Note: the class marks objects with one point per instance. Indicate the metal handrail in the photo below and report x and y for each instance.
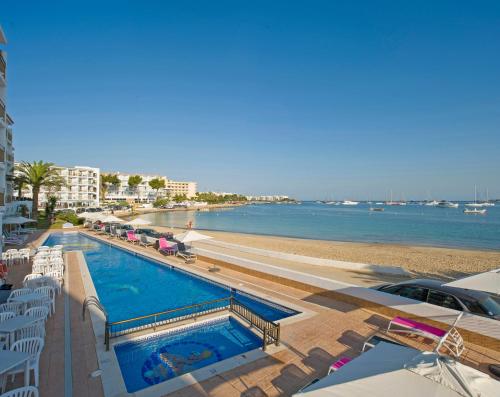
(270, 330)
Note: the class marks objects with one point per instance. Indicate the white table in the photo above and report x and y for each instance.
(10, 359)
(25, 299)
(13, 324)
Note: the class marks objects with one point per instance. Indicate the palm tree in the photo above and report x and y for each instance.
(36, 175)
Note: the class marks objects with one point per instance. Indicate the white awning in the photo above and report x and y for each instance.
(392, 370)
(17, 220)
(487, 282)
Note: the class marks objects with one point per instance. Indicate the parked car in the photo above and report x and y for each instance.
(436, 293)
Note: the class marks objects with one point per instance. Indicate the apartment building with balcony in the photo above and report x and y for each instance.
(6, 136)
(144, 193)
(81, 189)
(182, 188)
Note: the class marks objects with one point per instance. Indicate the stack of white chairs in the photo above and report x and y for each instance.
(45, 281)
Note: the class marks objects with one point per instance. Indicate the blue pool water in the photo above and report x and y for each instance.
(130, 285)
(152, 360)
(411, 224)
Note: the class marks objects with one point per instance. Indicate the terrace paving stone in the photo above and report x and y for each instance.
(310, 345)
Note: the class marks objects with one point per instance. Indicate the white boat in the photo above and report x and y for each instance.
(487, 203)
(447, 204)
(475, 211)
(432, 203)
(379, 203)
(475, 204)
(349, 202)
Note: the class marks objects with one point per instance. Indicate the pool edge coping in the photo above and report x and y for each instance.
(111, 377)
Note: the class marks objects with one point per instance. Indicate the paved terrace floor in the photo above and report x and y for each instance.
(336, 329)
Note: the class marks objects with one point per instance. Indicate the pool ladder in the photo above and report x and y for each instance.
(94, 301)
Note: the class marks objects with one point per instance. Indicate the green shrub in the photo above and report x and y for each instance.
(70, 217)
(161, 201)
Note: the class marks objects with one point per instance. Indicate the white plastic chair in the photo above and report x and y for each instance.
(6, 315)
(49, 293)
(26, 391)
(25, 254)
(15, 307)
(43, 248)
(19, 292)
(58, 247)
(41, 312)
(34, 347)
(29, 277)
(36, 330)
(56, 278)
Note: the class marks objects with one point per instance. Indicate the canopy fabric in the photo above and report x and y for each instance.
(487, 282)
(89, 215)
(17, 220)
(110, 219)
(139, 222)
(191, 236)
(465, 380)
(385, 371)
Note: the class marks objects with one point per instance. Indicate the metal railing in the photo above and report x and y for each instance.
(270, 330)
(94, 301)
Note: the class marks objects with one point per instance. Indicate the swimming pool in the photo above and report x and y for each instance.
(131, 285)
(151, 360)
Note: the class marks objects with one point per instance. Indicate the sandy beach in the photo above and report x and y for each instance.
(418, 260)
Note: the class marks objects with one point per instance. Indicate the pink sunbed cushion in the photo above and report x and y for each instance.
(163, 244)
(340, 363)
(406, 322)
(131, 236)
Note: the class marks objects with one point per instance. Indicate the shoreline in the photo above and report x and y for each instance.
(420, 261)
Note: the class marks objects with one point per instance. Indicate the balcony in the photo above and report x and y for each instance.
(3, 115)
(3, 70)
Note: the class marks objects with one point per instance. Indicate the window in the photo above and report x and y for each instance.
(474, 307)
(391, 289)
(414, 292)
(444, 300)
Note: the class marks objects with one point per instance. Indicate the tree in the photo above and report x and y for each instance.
(133, 183)
(36, 175)
(179, 198)
(106, 180)
(157, 184)
(19, 183)
(50, 206)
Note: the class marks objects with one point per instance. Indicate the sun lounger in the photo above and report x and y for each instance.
(414, 327)
(144, 241)
(338, 364)
(131, 237)
(188, 257)
(165, 248)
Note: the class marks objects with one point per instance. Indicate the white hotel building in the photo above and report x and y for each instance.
(144, 193)
(6, 147)
(81, 189)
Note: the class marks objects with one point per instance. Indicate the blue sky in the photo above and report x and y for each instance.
(314, 99)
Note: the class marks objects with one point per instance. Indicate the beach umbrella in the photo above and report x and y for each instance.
(91, 216)
(392, 370)
(487, 282)
(110, 219)
(191, 236)
(139, 222)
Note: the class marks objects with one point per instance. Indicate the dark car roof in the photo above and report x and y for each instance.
(438, 285)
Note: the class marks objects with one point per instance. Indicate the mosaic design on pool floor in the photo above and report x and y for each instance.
(171, 360)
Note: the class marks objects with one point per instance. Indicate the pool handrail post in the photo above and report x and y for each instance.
(264, 339)
(106, 335)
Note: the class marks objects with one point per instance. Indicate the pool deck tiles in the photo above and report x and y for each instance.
(311, 343)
